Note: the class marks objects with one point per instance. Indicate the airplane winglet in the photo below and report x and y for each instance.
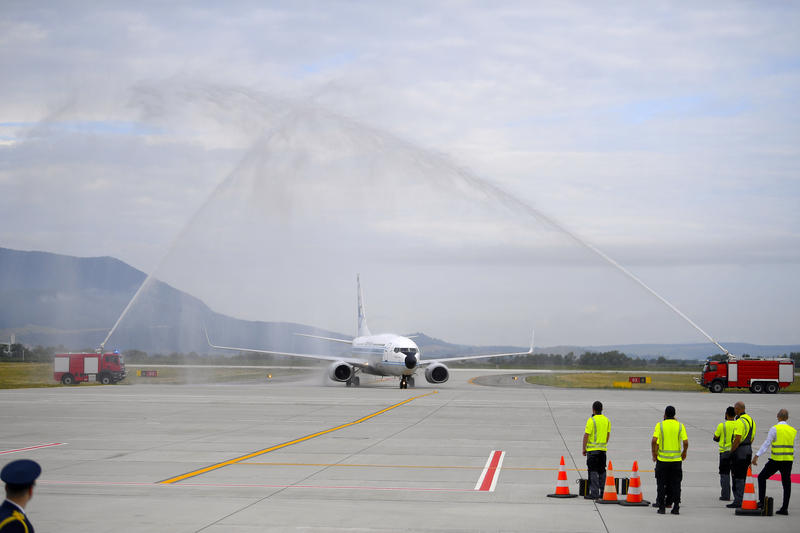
(208, 340)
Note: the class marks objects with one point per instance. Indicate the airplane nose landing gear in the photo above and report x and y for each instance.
(406, 381)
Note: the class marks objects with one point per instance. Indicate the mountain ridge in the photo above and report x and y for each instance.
(52, 299)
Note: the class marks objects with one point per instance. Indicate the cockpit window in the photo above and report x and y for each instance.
(406, 351)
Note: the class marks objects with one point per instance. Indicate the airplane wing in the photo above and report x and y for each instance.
(343, 341)
(426, 362)
(352, 360)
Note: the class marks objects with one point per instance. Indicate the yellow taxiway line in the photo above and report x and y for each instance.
(346, 465)
(285, 444)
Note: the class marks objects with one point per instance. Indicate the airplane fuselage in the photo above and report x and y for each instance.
(387, 354)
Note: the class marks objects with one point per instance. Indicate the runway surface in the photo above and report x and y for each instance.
(479, 453)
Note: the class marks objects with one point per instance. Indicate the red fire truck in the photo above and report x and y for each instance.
(756, 374)
(106, 368)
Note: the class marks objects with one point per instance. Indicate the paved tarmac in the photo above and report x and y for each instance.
(298, 456)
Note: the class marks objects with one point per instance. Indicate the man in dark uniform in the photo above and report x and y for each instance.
(19, 477)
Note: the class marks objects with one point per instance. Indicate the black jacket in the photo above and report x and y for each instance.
(12, 520)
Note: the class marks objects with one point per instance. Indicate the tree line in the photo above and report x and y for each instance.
(587, 360)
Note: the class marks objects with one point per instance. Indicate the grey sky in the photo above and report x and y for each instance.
(345, 137)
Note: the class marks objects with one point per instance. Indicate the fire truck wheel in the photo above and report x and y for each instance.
(716, 387)
(772, 387)
(105, 379)
(67, 379)
(757, 387)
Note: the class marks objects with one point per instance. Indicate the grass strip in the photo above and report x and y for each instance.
(32, 375)
(605, 380)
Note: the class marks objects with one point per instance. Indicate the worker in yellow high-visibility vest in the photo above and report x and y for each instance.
(724, 436)
(595, 445)
(668, 436)
(781, 441)
(741, 452)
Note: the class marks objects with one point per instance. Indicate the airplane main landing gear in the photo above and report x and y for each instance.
(354, 382)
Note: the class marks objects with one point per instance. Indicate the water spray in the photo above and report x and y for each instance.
(217, 190)
(124, 312)
(514, 203)
(430, 163)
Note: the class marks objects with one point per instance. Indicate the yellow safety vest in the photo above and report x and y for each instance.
(748, 429)
(670, 432)
(783, 445)
(725, 434)
(16, 516)
(598, 436)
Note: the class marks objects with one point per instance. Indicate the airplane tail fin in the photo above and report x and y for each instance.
(363, 329)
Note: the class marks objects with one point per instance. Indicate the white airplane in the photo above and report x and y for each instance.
(386, 354)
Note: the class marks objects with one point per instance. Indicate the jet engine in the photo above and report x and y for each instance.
(340, 371)
(437, 373)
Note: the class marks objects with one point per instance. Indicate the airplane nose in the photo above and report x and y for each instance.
(411, 361)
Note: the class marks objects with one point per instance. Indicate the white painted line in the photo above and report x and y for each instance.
(491, 472)
(33, 447)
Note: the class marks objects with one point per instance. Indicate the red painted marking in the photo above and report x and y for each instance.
(33, 447)
(777, 477)
(485, 483)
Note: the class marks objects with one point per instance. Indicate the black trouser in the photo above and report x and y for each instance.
(785, 468)
(669, 475)
(740, 460)
(725, 475)
(596, 464)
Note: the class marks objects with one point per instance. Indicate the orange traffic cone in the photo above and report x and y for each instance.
(610, 491)
(635, 489)
(749, 504)
(562, 488)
